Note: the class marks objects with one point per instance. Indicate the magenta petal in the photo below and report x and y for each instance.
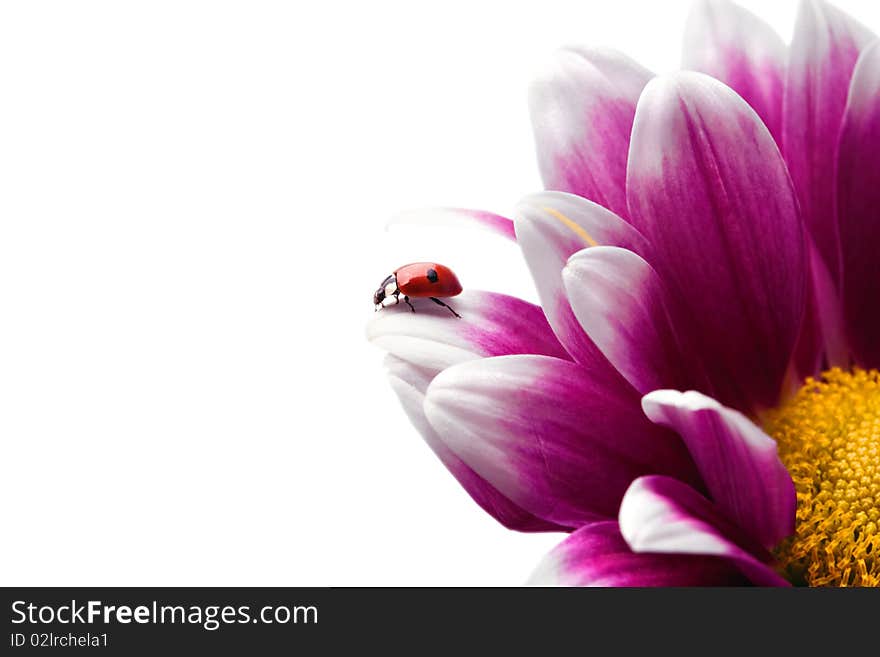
(708, 188)
(550, 227)
(738, 462)
(660, 515)
(409, 383)
(822, 341)
(733, 45)
(582, 110)
(491, 325)
(597, 555)
(824, 50)
(458, 217)
(858, 185)
(623, 307)
(424, 343)
(560, 440)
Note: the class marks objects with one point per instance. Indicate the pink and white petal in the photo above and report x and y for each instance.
(858, 195)
(409, 382)
(738, 462)
(597, 555)
(422, 344)
(708, 188)
(458, 217)
(623, 307)
(824, 50)
(552, 226)
(560, 440)
(733, 45)
(660, 515)
(491, 325)
(582, 109)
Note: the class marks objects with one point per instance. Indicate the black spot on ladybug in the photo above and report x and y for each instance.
(432, 275)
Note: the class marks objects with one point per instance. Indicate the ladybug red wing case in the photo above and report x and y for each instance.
(427, 279)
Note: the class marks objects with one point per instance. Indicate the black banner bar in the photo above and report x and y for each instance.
(414, 621)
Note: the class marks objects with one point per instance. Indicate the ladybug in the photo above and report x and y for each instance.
(418, 280)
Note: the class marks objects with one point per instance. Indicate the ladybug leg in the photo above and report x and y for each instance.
(440, 303)
(411, 307)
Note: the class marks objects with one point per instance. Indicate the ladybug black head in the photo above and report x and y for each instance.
(380, 294)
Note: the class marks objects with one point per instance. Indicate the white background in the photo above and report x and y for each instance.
(192, 207)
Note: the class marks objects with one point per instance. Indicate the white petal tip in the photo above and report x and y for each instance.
(690, 400)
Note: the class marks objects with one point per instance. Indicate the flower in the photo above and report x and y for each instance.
(713, 231)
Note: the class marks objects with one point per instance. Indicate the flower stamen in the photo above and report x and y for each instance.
(829, 439)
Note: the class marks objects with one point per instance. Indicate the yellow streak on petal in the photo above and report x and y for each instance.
(568, 223)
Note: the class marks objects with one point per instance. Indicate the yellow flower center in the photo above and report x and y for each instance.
(829, 439)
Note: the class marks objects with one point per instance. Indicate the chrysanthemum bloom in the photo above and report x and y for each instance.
(715, 232)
